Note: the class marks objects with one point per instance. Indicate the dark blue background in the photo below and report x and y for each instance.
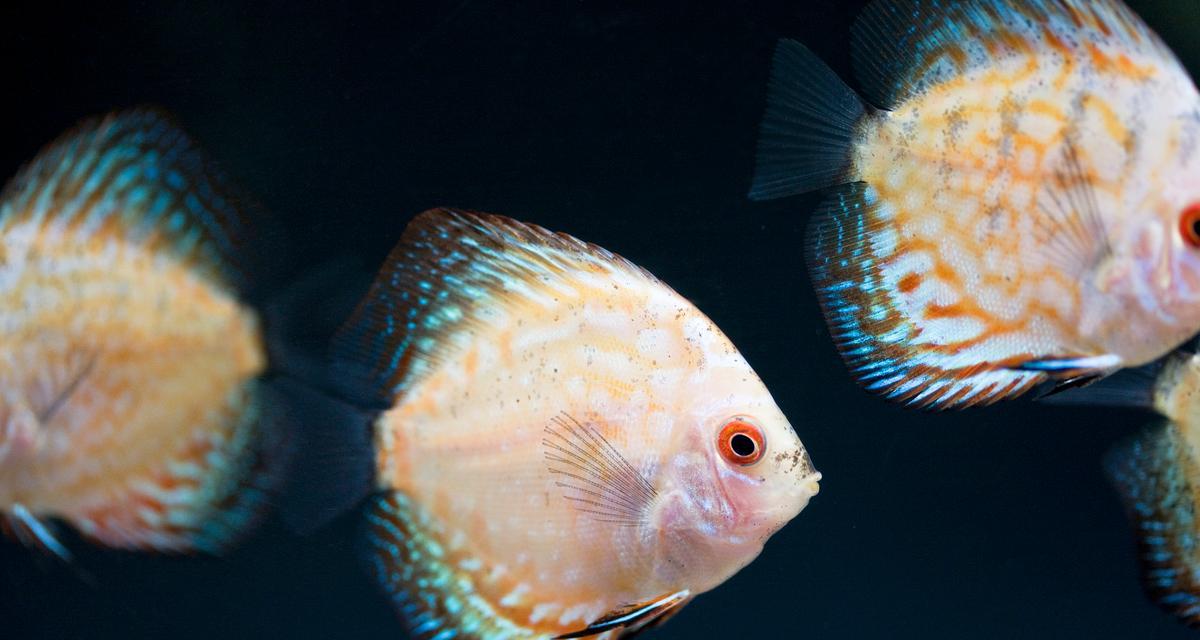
(633, 127)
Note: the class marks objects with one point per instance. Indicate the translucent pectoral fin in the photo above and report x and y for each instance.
(632, 619)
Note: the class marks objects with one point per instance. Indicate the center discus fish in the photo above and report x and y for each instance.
(129, 402)
(1020, 203)
(566, 446)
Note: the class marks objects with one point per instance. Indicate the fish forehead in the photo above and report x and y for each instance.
(623, 356)
(964, 243)
(160, 357)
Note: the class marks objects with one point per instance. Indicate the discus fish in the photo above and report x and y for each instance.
(129, 405)
(566, 446)
(1157, 475)
(1020, 205)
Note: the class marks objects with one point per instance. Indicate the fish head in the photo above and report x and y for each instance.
(739, 474)
(1151, 279)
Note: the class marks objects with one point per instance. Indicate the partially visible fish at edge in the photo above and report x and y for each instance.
(130, 406)
(1014, 203)
(1157, 475)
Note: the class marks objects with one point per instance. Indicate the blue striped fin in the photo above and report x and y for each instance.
(1155, 475)
(902, 47)
(447, 267)
(438, 601)
(242, 488)
(139, 173)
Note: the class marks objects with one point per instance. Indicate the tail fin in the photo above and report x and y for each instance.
(808, 132)
(331, 455)
(331, 466)
(1155, 474)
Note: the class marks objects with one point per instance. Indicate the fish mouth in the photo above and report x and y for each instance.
(777, 517)
(811, 484)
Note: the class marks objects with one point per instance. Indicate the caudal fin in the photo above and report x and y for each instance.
(807, 134)
(1155, 474)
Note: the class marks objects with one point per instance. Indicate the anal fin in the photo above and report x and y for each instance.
(634, 618)
(406, 554)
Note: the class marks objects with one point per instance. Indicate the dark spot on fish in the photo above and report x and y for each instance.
(955, 123)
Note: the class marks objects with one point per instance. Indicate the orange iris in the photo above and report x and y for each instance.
(1189, 225)
(741, 442)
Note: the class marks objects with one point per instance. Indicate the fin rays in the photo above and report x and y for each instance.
(594, 475)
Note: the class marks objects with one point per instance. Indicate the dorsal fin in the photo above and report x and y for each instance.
(136, 177)
(435, 282)
(902, 47)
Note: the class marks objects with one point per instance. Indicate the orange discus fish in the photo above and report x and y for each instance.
(1021, 204)
(568, 447)
(129, 406)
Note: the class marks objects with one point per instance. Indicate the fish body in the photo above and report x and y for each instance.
(569, 447)
(128, 363)
(1018, 206)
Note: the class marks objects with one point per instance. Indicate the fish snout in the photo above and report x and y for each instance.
(797, 477)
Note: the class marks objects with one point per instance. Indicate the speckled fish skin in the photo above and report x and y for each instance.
(1158, 476)
(128, 399)
(551, 456)
(1020, 198)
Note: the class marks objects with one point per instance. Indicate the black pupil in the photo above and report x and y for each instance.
(1195, 226)
(742, 444)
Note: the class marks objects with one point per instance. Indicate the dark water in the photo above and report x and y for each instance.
(634, 128)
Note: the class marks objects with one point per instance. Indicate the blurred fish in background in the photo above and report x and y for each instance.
(130, 402)
(557, 443)
(1016, 201)
(1158, 476)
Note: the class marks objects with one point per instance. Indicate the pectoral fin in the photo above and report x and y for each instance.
(33, 533)
(634, 618)
(1067, 367)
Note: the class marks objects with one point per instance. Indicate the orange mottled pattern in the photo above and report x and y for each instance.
(1011, 198)
(128, 384)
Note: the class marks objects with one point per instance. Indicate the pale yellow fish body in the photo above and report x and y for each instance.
(127, 367)
(585, 350)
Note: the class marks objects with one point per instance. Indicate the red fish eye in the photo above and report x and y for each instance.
(741, 442)
(1189, 225)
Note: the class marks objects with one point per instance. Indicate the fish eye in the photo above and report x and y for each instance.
(741, 442)
(1189, 225)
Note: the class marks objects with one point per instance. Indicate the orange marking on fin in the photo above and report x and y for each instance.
(1099, 58)
(1121, 65)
